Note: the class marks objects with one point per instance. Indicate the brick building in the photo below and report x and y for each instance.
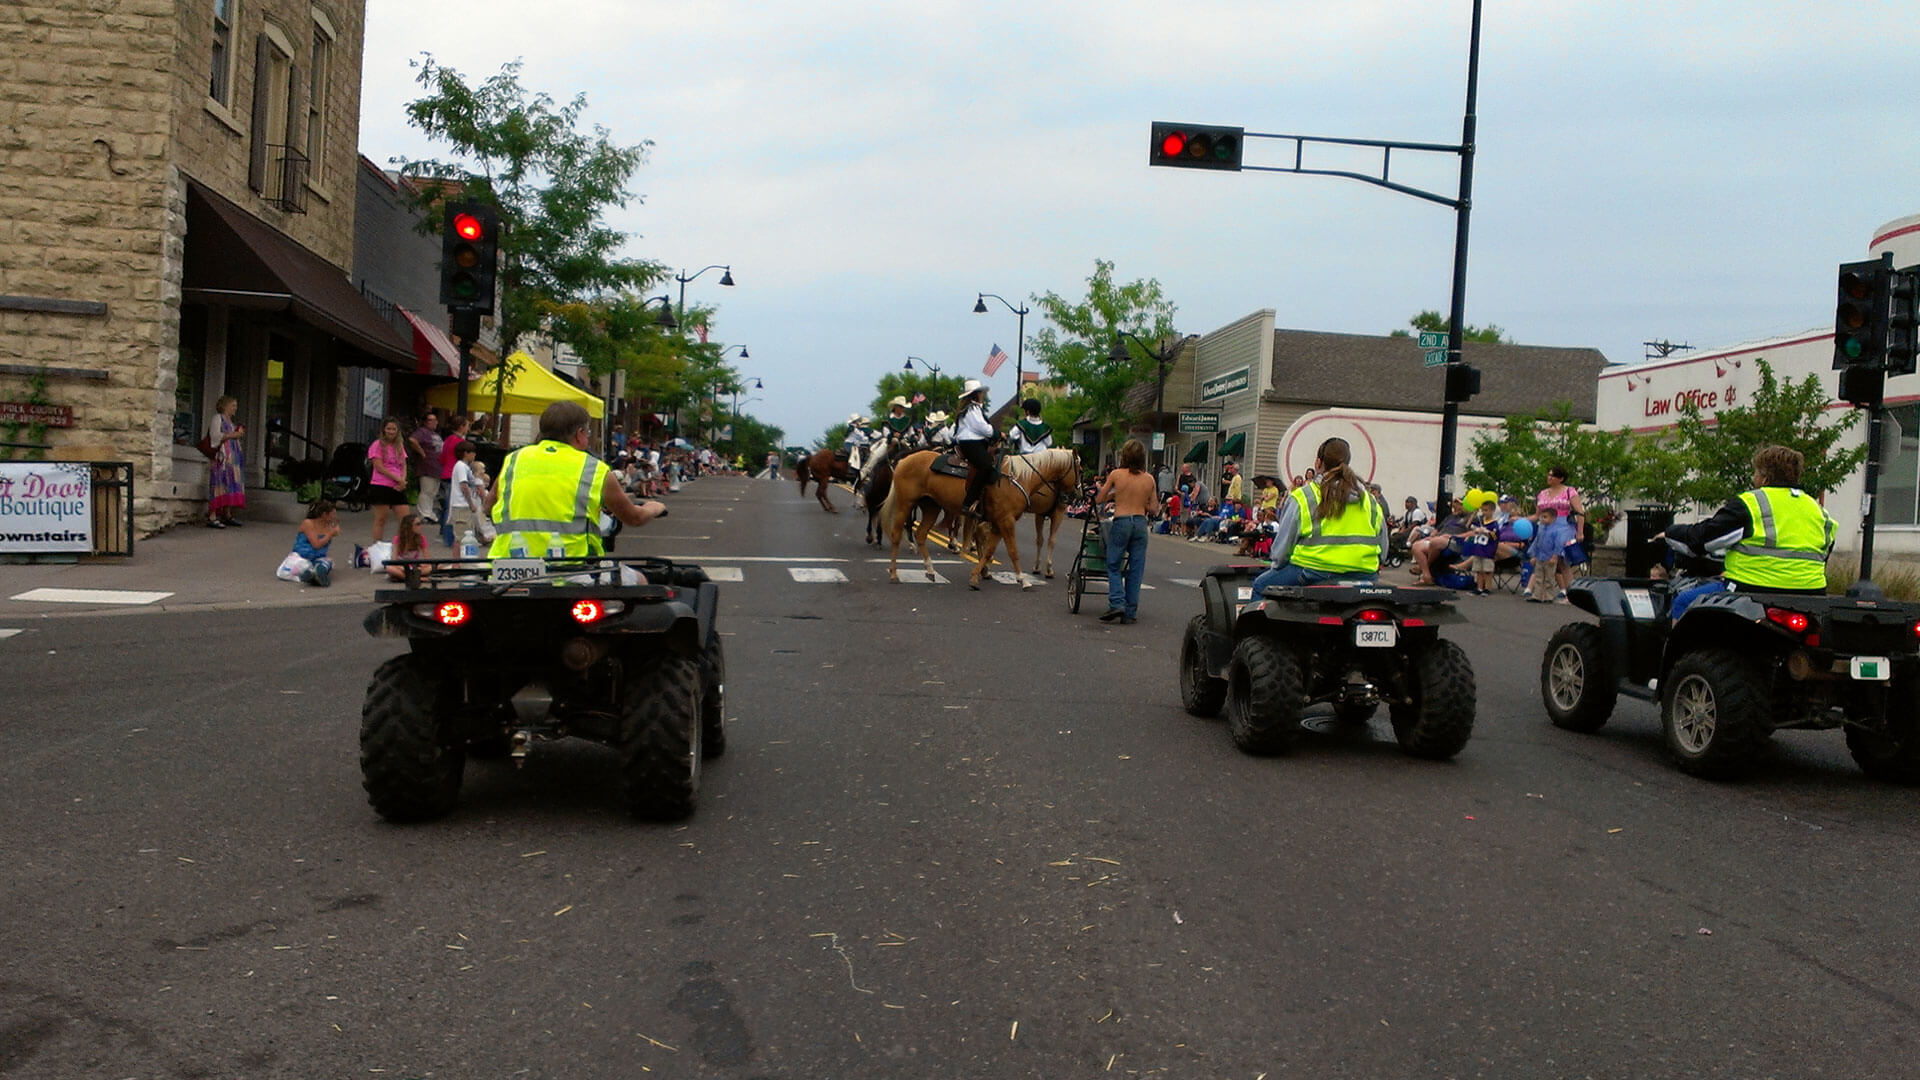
(177, 187)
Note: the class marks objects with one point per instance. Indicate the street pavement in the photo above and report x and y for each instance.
(956, 834)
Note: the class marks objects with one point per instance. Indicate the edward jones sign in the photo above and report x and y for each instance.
(46, 506)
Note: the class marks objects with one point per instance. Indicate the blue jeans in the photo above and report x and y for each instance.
(1685, 597)
(1295, 574)
(1126, 549)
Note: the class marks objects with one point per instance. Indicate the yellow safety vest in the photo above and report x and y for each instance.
(1349, 543)
(549, 491)
(1787, 544)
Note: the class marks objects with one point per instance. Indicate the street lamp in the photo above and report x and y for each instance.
(1119, 355)
(665, 319)
(931, 367)
(726, 278)
(1019, 345)
(734, 442)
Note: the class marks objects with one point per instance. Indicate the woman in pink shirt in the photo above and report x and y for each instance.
(1566, 501)
(387, 469)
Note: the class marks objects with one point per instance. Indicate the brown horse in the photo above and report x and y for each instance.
(1042, 475)
(879, 483)
(822, 467)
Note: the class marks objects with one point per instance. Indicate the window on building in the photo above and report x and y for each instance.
(319, 76)
(187, 415)
(278, 170)
(1899, 499)
(220, 87)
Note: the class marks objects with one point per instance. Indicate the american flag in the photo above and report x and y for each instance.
(994, 359)
(918, 398)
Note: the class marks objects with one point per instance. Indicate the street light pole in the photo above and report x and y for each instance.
(726, 278)
(1456, 330)
(928, 364)
(1118, 354)
(1019, 345)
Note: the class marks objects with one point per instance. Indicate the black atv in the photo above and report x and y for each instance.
(1354, 646)
(1740, 665)
(509, 652)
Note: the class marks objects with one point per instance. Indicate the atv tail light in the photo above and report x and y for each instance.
(447, 613)
(1374, 615)
(1413, 622)
(1916, 629)
(1332, 620)
(592, 611)
(1794, 621)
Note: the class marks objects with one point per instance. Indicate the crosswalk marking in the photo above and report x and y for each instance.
(919, 577)
(724, 573)
(1189, 582)
(816, 574)
(90, 596)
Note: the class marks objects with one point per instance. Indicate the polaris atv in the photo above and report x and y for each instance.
(1740, 665)
(1353, 646)
(507, 653)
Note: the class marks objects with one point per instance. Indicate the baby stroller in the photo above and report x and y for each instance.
(346, 481)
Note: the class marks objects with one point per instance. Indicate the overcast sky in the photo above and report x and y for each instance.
(1688, 171)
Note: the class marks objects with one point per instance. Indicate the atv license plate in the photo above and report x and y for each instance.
(1245, 592)
(517, 569)
(1383, 636)
(1872, 668)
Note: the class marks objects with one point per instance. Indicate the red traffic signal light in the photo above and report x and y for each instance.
(1196, 146)
(469, 252)
(467, 227)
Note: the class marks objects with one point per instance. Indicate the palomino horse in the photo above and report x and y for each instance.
(821, 467)
(1042, 475)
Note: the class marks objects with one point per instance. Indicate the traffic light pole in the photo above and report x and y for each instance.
(1874, 413)
(465, 323)
(1457, 319)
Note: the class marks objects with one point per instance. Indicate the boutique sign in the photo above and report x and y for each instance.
(46, 506)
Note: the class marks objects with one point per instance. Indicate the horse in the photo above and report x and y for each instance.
(821, 467)
(1043, 475)
(879, 484)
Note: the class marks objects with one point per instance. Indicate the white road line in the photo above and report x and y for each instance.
(816, 574)
(8, 633)
(752, 558)
(916, 561)
(723, 573)
(1191, 583)
(919, 577)
(644, 536)
(1005, 577)
(90, 596)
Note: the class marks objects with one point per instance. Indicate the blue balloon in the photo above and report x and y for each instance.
(1523, 528)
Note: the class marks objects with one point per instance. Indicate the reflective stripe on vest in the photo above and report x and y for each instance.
(1351, 541)
(1787, 542)
(537, 485)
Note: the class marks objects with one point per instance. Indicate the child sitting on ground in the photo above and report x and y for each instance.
(410, 544)
(309, 562)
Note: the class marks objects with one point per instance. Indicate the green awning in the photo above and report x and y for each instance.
(1236, 443)
(1197, 454)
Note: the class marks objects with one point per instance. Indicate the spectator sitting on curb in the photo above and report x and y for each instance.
(410, 544)
(309, 562)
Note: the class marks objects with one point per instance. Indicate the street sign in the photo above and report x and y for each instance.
(1436, 357)
(1433, 339)
(1202, 423)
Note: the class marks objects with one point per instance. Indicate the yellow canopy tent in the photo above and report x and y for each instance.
(531, 389)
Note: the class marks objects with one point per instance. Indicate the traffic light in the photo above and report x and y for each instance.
(1196, 146)
(1903, 315)
(1863, 386)
(469, 250)
(1860, 320)
(1463, 381)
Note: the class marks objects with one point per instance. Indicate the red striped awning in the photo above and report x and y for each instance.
(434, 353)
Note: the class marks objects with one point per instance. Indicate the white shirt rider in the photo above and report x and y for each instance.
(973, 424)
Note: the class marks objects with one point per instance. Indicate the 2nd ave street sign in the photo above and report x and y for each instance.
(1433, 339)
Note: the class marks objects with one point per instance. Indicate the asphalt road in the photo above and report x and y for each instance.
(956, 834)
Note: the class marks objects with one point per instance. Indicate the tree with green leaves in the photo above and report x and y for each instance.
(1720, 454)
(1515, 459)
(1077, 348)
(552, 183)
(941, 392)
(1432, 322)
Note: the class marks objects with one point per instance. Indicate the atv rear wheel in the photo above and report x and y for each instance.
(1714, 712)
(1201, 693)
(659, 737)
(1266, 689)
(410, 763)
(1437, 723)
(1892, 755)
(1575, 683)
(713, 705)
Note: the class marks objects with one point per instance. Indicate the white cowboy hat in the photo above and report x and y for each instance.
(855, 419)
(971, 386)
(936, 417)
(897, 403)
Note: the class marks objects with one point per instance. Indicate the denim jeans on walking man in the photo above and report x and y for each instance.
(1126, 550)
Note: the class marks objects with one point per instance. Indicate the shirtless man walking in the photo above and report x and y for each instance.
(1131, 490)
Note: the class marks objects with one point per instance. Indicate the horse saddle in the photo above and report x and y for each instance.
(951, 464)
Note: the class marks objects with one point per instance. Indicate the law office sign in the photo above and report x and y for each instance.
(1221, 386)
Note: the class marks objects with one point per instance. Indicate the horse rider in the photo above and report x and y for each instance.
(974, 437)
(553, 492)
(939, 432)
(1031, 434)
(1774, 537)
(856, 441)
(896, 432)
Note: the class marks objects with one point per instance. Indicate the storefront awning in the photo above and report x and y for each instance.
(1197, 454)
(237, 260)
(530, 389)
(434, 353)
(1236, 443)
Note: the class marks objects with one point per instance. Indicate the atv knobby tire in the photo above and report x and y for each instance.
(713, 693)
(1892, 755)
(1201, 693)
(1575, 685)
(409, 762)
(659, 737)
(1714, 709)
(1266, 690)
(1437, 723)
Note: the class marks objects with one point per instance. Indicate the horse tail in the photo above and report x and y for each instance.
(891, 507)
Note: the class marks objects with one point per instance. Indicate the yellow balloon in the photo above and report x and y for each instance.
(1476, 497)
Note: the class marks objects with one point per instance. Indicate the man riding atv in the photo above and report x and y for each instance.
(1773, 537)
(553, 492)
